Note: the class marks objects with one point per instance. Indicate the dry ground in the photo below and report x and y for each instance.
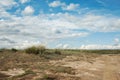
(22, 66)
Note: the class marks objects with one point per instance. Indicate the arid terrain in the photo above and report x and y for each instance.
(69, 65)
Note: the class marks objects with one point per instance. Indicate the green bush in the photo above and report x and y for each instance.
(41, 49)
(14, 50)
(49, 77)
(35, 50)
(32, 50)
(57, 51)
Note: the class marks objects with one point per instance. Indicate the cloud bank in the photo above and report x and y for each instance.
(95, 46)
(29, 29)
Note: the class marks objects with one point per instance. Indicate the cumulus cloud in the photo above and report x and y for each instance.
(4, 6)
(56, 4)
(24, 1)
(70, 7)
(7, 3)
(64, 6)
(95, 46)
(99, 23)
(63, 46)
(18, 31)
(28, 10)
(117, 40)
(80, 34)
(46, 28)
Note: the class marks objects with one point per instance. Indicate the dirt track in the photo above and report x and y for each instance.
(105, 67)
(111, 69)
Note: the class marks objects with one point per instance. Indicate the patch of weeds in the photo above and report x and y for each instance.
(49, 77)
(27, 72)
(61, 69)
(52, 55)
(14, 50)
(3, 76)
(57, 51)
(45, 66)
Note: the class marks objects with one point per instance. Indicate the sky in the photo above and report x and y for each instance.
(66, 24)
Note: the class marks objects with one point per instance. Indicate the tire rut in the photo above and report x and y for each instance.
(110, 70)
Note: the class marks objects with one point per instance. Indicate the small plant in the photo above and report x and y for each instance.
(27, 72)
(48, 77)
(61, 69)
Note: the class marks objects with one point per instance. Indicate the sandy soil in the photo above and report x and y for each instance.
(105, 67)
(101, 67)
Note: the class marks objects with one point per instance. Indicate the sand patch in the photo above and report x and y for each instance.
(13, 72)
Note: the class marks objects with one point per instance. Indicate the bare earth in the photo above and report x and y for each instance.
(70, 67)
(105, 67)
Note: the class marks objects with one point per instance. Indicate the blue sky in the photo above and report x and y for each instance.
(81, 24)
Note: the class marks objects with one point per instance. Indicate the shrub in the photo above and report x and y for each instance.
(32, 50)
(35, 50)
(14, 50)
(57, 51)
(49, 77)
(41, 49)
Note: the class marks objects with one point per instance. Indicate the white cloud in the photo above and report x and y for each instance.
(116, 40)
(95, 46)
(91, 22)
(47, 27)
(26, 44)
(7, 3)
(24, 1)
(4, 6)
(56, 4)
(70, 7)
(18, 29)
(101, 2)
(99, 23)
(28, 30)
(59, 45)
(64, 6)
(80, 34)
(63, 46)
(28, 10)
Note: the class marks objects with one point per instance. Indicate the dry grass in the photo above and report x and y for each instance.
(60, 64)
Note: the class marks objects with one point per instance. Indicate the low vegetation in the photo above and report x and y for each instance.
(35, 50)
(40, 63)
